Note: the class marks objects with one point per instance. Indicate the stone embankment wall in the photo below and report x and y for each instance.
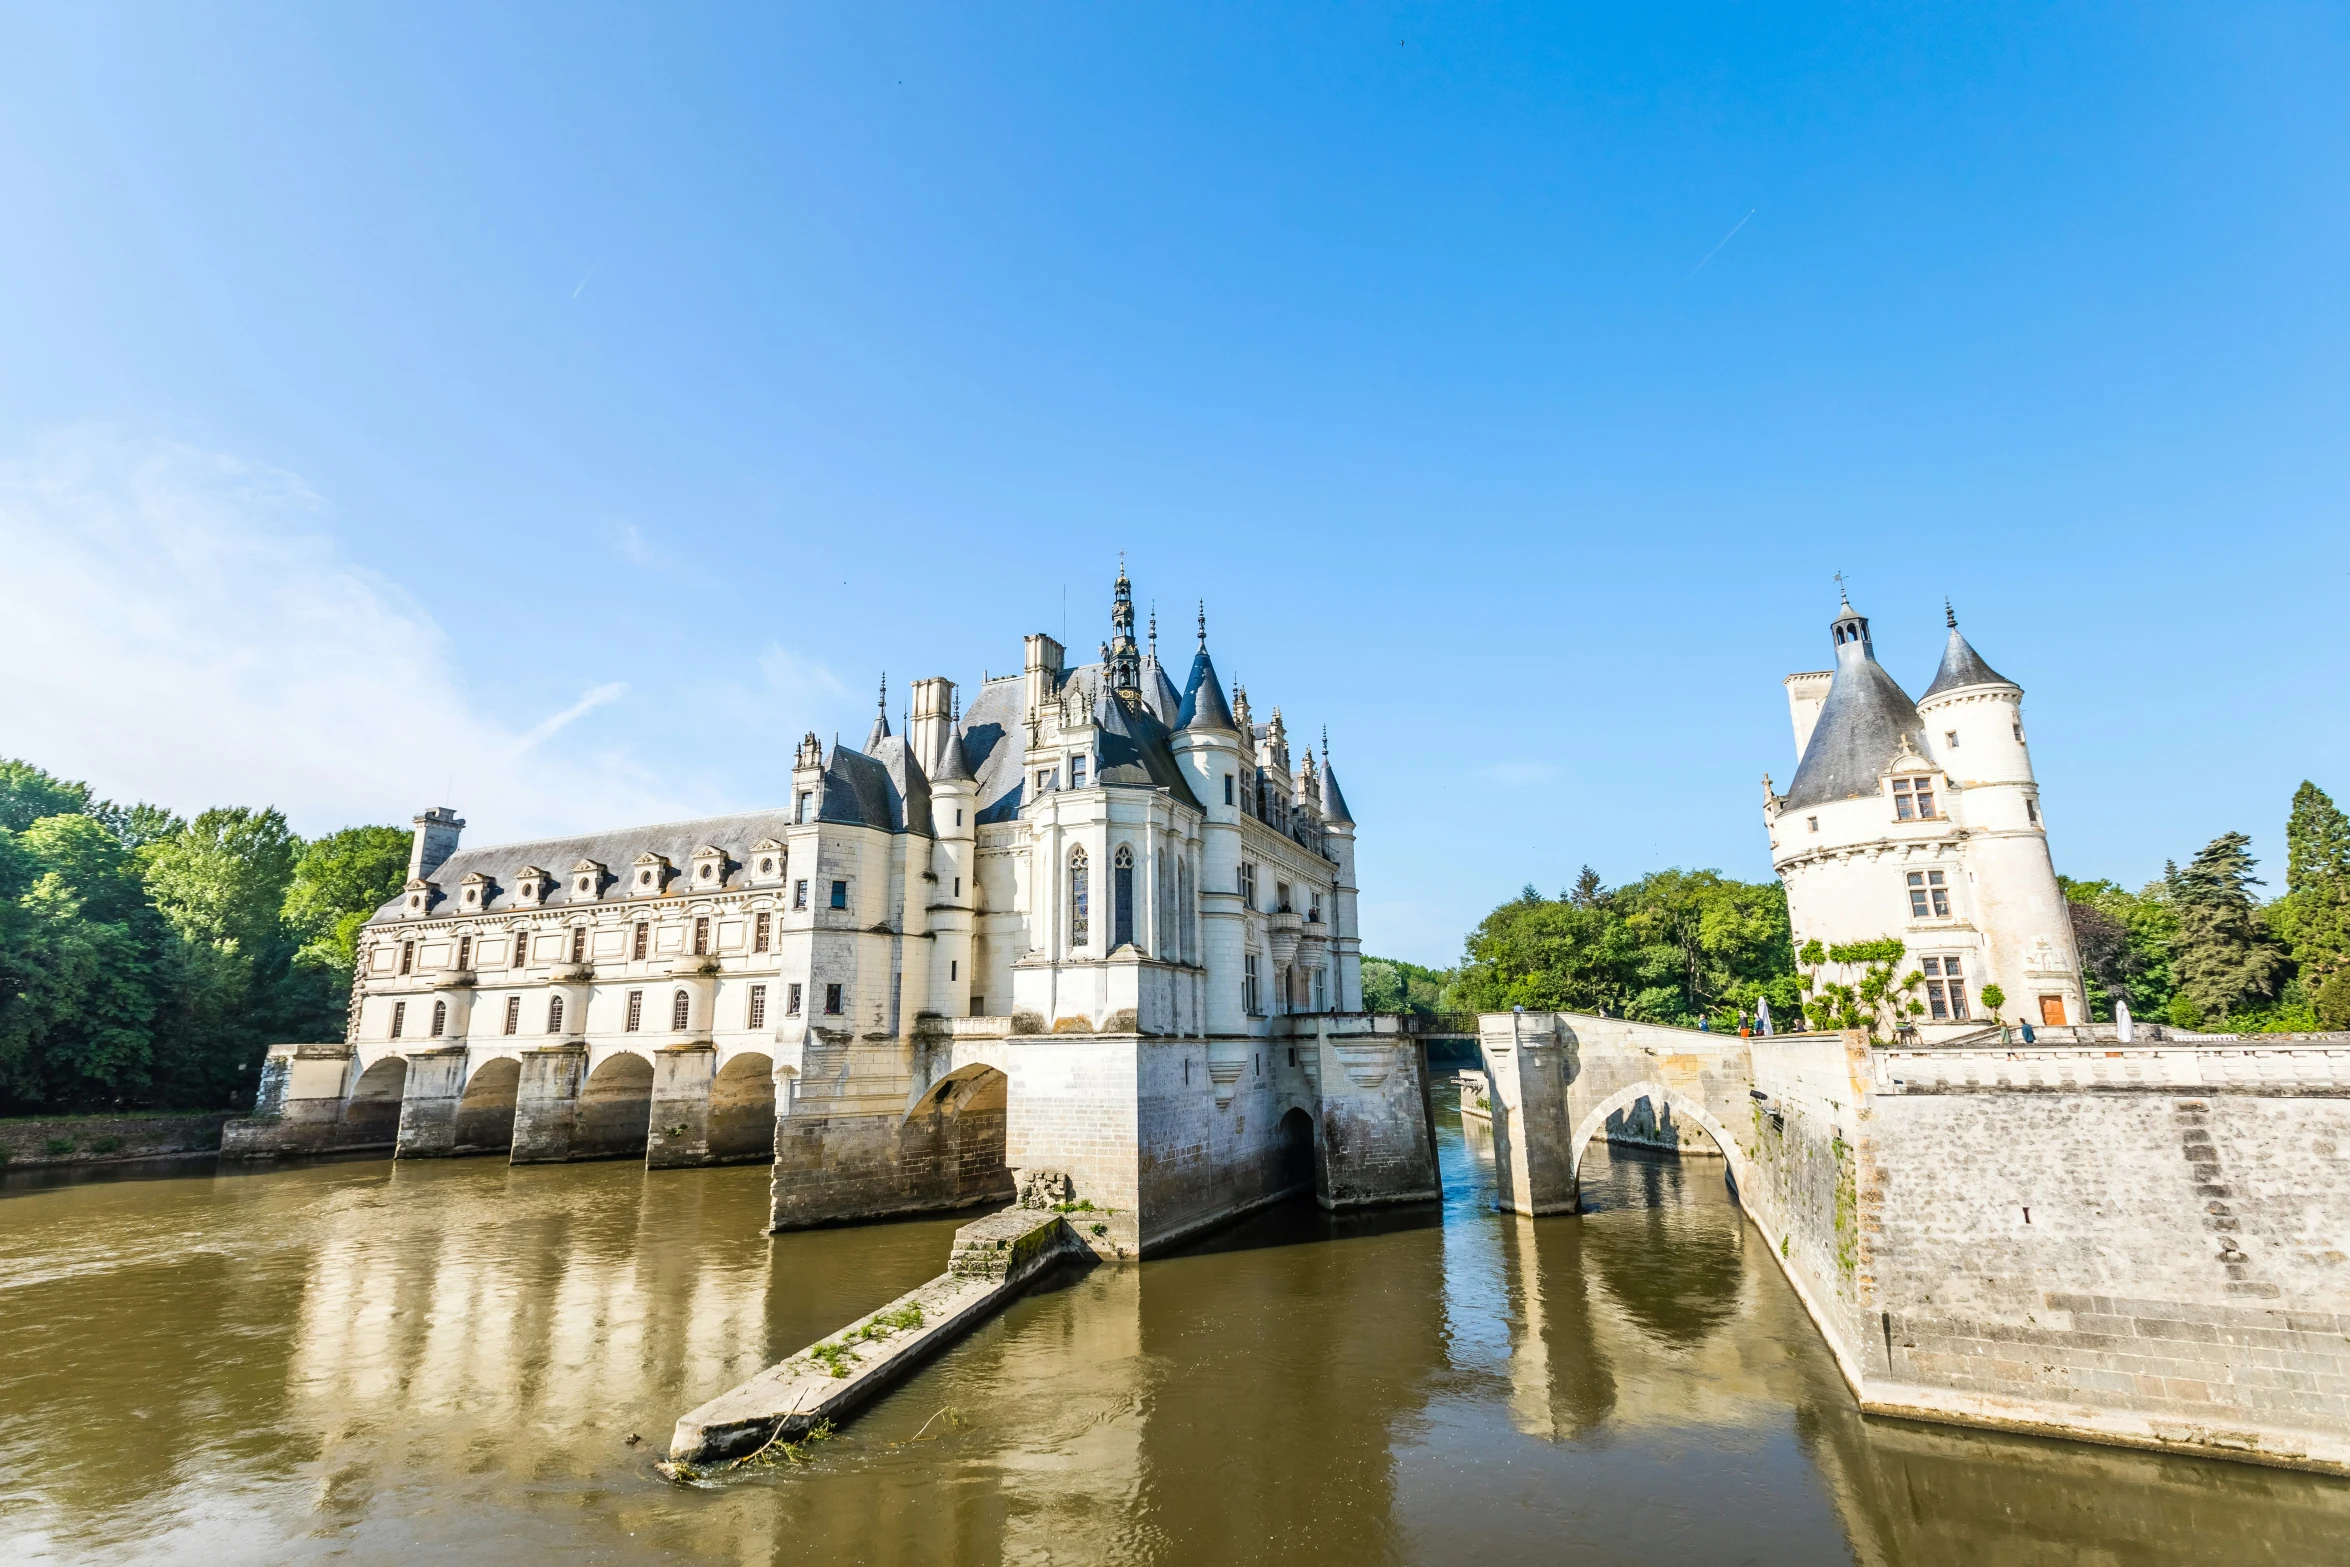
(106, 1139)
(2148, 1246)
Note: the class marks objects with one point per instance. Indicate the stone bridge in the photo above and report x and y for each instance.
(2144, 1243)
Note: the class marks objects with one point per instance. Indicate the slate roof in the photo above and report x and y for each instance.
(616, 851)
(1203, 705)
(1333, 800)
(1159, 692)
(1860, 728)
(1963, 666)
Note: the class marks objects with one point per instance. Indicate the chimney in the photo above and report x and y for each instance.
(931, 721)
(436, 840)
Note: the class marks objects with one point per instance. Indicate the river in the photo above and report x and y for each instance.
(368, 1362)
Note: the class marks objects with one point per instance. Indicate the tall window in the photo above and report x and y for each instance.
(791, 1000)
(1183, 913)
(758, 1015)
(2031, 810)
(465, 952)
(636, 1011)
(579, 943)
(399, 1017)
(1281, 897)
(1080, 900)
(800, 808)
(1945, 988)
(440, 1017)
(521, 948)
(762, 930)
(1248, 984)
(1248, 885)
(1227, 788)
(1928, 897)
(1122, 898)
(840, 894)
(407, 957)
(832, 1001)
(799, 894)
(1076, 772)
(643, 939)
(701, 938)
(554, 1014)
(680, 1008)
(513, 1013)
(1913, 799)
(1321, 977)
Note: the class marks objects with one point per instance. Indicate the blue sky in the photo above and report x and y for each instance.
(557, 411)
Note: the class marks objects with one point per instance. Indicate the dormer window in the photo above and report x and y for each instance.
(531, 885)
(649, 875)
(1913, 799)
(478, 890)
(587, 879)
(804, 805)
(420, 895)
(769, 860)
(709, 868)
(1076, 772)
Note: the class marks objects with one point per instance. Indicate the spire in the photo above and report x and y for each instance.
(1862, 725)
(1203, 706)
(1334, 809)
(1154, 631)
(880, 718)
(1122, 660)
(1203, 625)
(1961, 664)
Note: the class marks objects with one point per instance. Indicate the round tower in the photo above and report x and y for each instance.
(1974, 722)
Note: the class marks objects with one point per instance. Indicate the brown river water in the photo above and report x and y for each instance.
(375, 1362)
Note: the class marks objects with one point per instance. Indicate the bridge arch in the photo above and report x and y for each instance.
(615, 1113)
(966, 1089)
(742, 1109)
(485, 1110)
(371, 1114)
(1683, 1108)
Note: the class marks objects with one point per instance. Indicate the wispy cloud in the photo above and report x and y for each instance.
(579, 709)
(808, 683)
(184, 630)
(629, 543)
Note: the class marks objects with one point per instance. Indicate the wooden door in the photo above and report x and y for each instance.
(2052, 1010)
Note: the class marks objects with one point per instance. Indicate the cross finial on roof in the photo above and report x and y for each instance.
(1842, 591)
(1203, 625)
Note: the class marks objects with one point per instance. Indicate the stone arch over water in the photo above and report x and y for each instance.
(372, 1114)
(1666, 1102)
(742, 1109)
(615, 1109)
(1293, 1141)
(485, 1111)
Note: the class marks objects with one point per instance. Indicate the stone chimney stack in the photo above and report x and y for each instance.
(932, 721)
(436, 840)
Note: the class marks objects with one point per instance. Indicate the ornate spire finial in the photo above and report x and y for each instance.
(1203, 625)
(883, 703)
(1154, 631)
(1949, 615)
(1325, 747)
(1842, 591)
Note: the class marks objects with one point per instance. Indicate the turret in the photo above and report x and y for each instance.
(1338, 841)
(1123, 658)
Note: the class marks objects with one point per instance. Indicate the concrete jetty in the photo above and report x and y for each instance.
(993, 1260)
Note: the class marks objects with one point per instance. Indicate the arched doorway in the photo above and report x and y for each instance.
(742, 1110)
(485, 1112)
(615, 1109)
(1294, 1144)
(371, 1116)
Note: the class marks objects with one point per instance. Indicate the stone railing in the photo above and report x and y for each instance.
(2311, 1068)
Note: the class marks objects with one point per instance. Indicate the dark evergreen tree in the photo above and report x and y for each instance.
(2313, 918)
(2227, 960)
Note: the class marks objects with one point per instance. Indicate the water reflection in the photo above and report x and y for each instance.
(375, 1362)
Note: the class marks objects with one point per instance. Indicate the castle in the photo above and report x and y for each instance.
(1921, 820)
(1093, 925)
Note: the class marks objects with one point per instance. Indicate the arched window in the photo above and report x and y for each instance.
(1122, 892)
(680, 1008)
(1080, 900)
(440, 1017)
(554, 1014)
(1183, 911)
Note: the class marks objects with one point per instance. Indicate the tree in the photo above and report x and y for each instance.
(339, 881)
(81, 973)
(2226, 959)
(1873, 999)
(2126, 941)
(28, 793)
(2313, 918)
(1392, 985)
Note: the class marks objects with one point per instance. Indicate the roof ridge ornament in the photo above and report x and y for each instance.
(1949, 615)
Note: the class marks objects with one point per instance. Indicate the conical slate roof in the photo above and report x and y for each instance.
(1165, 701)
(1203, 698)
(1860, 728)
(953, 767)
(1333, 800)
(1962, 666)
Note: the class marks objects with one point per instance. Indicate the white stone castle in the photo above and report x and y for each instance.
(1921, 820)
(1093, 925)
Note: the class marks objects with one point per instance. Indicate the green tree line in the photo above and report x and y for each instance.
(2197, 947)
(147, 961)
